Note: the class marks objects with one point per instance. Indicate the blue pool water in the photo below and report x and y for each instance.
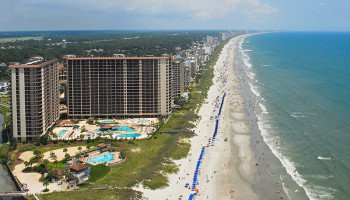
(129, 135)
(102, 158)
(62, 133)
(126, 129)
(107, 121)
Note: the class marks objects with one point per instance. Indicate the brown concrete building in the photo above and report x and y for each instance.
(178, 77)
(35, 98)
(118, 86)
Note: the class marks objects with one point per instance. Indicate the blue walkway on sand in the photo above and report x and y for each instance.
(196, 173)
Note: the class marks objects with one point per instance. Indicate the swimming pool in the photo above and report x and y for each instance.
(107, 121)
(62, 133)
(129, 135)
(126, 129)
(103, 158)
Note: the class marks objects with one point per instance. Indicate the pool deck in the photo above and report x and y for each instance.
(143, 126)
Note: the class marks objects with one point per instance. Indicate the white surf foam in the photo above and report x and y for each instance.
(263, 108)
(270, 141)
(254, 89)
(324, 158)
(297, 115)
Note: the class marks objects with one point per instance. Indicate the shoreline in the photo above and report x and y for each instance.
(228, 167)
(271, 172)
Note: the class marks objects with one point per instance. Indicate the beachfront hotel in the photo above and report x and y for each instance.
(118, 86)
(35, 98)
(178, 77)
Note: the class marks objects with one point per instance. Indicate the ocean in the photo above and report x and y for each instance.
(300, 83)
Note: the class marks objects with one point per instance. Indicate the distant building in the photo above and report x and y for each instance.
(178, 77)
(177, 48)
(223, 36)
(210, 39)
(35, 98)
(122, 86)
(64, 43)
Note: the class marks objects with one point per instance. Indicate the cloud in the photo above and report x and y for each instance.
(195, 9)
(123, 14)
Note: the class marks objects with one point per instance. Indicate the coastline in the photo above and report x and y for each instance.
(229, 167)
(272, 178)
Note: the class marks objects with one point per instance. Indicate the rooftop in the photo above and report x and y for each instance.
(78, 168)
(42, 64)
(118, 58)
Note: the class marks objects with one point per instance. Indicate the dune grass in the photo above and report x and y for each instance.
(97, 172)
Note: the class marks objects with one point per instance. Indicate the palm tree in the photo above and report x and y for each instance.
(31, 161)
(65, 150)
(26, 163)
(46, 162)
(46, 183)
(53, 155)
(66, 156)
(36, 152)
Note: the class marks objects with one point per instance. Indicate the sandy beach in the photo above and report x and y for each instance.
(32, 179)
(228, 166)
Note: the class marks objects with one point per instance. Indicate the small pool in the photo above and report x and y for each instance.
(107, 121)
(129, 135)
(126, 129)
(103, 158)
(62, 133)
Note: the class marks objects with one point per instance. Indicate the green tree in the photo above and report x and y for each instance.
(26, 163)
(46, 162)
(53, 155)
(66, 156)
(65, 150)
(36, 152)
(46, 183)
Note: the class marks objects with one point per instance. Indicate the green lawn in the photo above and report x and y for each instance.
(59, 165)
(97, 172)
(115, 194)
(149, 160)
(5, 99)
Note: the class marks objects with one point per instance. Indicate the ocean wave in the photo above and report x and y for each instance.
(270, 140)
(324, 158)
(297, 115)
(263, 108)
(248, 50)
(321, 192)
(251, 75)
(254, 90)
(265, 65)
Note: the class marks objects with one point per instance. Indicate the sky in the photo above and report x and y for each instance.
(298, 15)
